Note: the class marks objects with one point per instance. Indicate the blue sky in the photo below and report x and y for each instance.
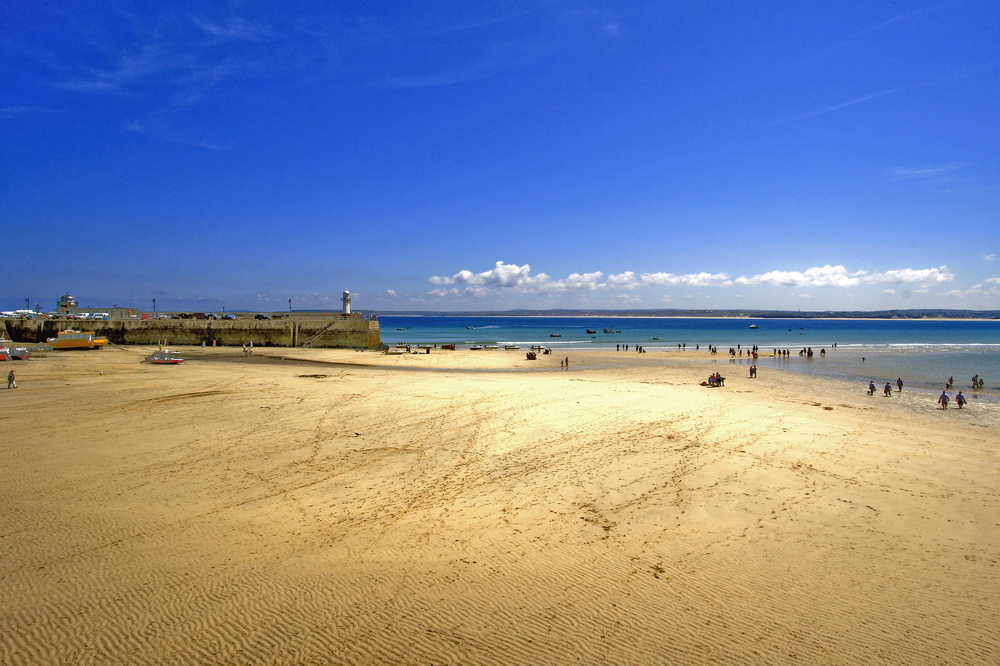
(496, 155)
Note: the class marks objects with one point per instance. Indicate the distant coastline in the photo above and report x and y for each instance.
(930, 314)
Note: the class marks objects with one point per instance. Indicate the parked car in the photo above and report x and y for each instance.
(229, 315)
(211, 315)
(261, 316)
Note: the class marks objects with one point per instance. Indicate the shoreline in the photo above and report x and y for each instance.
(738, 318)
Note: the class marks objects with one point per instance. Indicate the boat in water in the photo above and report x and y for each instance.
(70, 339)
(164, 357)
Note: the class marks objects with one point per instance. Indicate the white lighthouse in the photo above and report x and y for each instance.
(346, 300)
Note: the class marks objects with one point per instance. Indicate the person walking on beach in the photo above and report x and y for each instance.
(871, 388)
(951, 382)
(887, 391)
(960, 400)
(899, 385)
(943, 400)
(11, 380)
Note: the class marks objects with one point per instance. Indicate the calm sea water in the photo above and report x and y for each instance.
(924, 353)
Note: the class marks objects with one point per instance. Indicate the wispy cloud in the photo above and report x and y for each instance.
(901, 17)
(836, 107)
(936, 174)
(12, 111)
(498, 58)
(475, 23)
(989, 287)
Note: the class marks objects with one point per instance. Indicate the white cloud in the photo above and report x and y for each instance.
(890, 292)
(689, 280)
(838, 276)
(520, 279)
(588, 281)
(626, 280)
(988, 287)
(825, 276)
(913, 276)
(501, 275)
(990, 257)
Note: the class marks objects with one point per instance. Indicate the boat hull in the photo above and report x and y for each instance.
(76, 340)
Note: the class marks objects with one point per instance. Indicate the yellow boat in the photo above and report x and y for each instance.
(77, 340)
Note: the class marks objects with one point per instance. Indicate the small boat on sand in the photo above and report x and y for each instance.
(70, 339)
(164, 357)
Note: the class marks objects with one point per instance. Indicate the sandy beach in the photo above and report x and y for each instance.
(332, 506)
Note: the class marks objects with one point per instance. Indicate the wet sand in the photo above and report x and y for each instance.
(477, 508)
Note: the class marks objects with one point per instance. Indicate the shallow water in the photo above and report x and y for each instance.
(924, 353)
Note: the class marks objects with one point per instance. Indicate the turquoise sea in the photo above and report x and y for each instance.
(924, 353)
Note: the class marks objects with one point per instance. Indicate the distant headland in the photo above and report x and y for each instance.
(761, 314)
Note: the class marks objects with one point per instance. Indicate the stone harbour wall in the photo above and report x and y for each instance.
(335, 331)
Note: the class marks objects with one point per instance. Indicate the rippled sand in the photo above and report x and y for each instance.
(426, 509)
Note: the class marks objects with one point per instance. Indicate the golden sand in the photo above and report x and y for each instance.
(478, 508)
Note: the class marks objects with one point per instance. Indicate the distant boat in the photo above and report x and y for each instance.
(555, 335)
(656, 338)
(511, 347)
(590, 331)
(476, 347)
(754, 326)
(470, 327)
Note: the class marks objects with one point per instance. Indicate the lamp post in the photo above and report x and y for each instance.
(154, 306)
(289, 305)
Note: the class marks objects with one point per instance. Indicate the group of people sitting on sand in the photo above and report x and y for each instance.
(715, 379)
